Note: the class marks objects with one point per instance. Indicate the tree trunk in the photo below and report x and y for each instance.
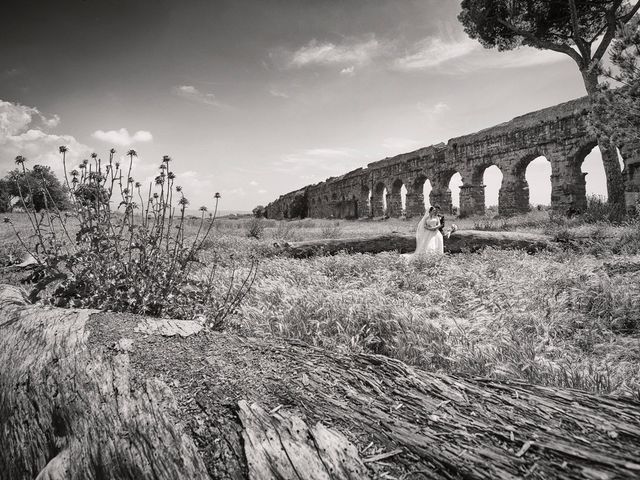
(460, 241)
(615, 180)
(89, 395)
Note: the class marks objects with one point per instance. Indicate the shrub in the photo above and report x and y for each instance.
(285, 231)
(129, 251)
(331, 230)
(600, 211)
(255, 228)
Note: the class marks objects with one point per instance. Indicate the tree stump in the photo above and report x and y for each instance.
(88, 395)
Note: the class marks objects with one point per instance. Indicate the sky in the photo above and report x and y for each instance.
(256, 98)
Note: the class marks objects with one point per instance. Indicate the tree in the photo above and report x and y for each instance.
(5, 196)
(38, 187)
(616, 113)
(581, 29)
(259, 211)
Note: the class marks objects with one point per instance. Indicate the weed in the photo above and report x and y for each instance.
(255, 228)
(331, 230)
(123, 250)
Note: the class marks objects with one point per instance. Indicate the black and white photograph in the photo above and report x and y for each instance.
(320, 239)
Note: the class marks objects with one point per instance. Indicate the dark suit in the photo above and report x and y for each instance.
(441, 217)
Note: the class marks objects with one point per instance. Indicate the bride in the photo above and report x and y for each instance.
(428, 235)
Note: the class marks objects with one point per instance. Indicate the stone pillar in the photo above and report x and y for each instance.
(471, 199)
(513, 197)
(441, 197)
(568, 186)
(415, 204)
(394, 204)
(377, 206)
(364, 210)
(631, 176)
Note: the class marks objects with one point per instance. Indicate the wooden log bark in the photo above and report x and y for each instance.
(91, 395)
(460, 241)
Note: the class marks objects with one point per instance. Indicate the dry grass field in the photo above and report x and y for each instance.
(565, 318)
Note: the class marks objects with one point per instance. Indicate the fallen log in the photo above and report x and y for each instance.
(86, 394)
(459, 241)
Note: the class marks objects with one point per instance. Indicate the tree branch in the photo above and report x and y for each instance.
(609, 35)
(543, 44)
(585, 49)
(630, 14)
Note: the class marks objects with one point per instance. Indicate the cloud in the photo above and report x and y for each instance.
(396, 144)
(192, 93)
(14, 118)
(348, 71)
(433, 110)
(519, 58)
(433, 51)
(328, 53)
(253, 183)
(331, 152)
(334, 160)
(122, 137)
(275, 92)
(465, 55)
(23, 131)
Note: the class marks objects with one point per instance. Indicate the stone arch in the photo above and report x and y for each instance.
(378, 200)
(446, 190)
(364, 202)
(492, 181)
(593, 169)
(394, 198)
(415, 199)
(532, 171)
(568, 190)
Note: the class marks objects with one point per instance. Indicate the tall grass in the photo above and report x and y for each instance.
(552, 319)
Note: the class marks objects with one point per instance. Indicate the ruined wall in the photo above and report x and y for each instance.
(559, 133)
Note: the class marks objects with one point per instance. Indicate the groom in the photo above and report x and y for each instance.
(441, 217)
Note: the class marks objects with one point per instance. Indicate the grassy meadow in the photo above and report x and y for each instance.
(567, 318)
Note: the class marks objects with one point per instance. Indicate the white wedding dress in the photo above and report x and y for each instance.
(429, 241)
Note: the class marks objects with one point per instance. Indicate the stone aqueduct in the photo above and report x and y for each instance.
(559, 133)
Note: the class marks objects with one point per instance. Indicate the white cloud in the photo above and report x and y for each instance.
(253, 183)
(465, 55)
(15, 118)
(331, 152)
(348, 71)
(433, 51)
(192, 93)
(328, 53)
(276, 92)
(122, 136)
(23, 131)
(520, 58)
(334, 160)
(397, 144)
(433, 110)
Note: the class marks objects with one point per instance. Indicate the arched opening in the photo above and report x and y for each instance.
(454, 185)
(492, 180)
(403, 199)
(538, 176)
(385, 207)
(595, 178)
(426, 193)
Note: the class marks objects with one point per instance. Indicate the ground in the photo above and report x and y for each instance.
(567, 318)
